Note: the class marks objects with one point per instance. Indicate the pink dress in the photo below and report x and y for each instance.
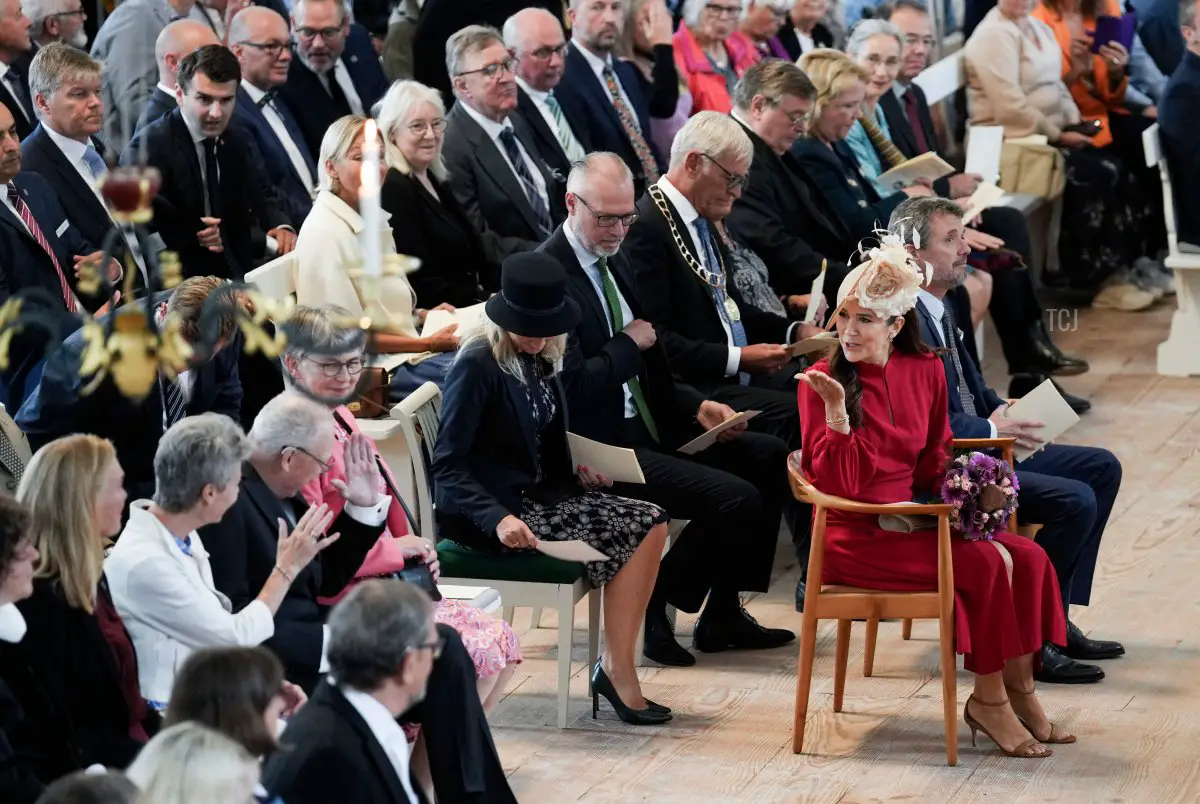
(489, 640)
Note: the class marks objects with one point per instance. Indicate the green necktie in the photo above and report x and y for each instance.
(614, 314)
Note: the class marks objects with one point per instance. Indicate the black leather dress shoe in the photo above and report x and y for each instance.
(1058, 668)
(738, 631)
(800, 589)
(660, 644)
(1022, 384)
(1048, 358)
(1080, 647)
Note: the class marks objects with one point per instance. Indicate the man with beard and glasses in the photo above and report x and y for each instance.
(56, 21)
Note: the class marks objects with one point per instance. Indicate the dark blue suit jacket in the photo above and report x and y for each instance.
(24, 265)
(314, 107)
(582, 97)
(850, 194)
(1178, 112)
(964, 424)
(292, 192)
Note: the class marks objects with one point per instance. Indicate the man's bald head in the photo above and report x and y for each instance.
(254, 22)
(260, 39)
(180, 38)
(600, 202)
(536, 37)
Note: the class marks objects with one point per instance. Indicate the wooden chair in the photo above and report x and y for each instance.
(532, 579)
(845, 604)
(276, 278)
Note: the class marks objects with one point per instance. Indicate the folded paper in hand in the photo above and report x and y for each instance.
(1043, 404)
(618, 464)
(465, 317)
(815, 294)
(928, 166)
(705, 441)
(571, 551)
(814, 344)
(985, 196)
(907, 523)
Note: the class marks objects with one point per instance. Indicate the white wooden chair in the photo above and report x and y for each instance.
(276, 278)
(536, 580)
(1178, 355)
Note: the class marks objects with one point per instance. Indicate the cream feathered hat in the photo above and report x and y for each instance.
(889, 280)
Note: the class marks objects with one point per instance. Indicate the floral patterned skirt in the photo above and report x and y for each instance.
(488, 639)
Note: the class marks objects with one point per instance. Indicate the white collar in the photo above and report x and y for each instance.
(899, 89)
(597, 64)
(254, 92)
(12, 624)
(349, 215)
(141, 518)
(489, 126)
(3, 69)
(538, 95)
(197, 136)
(377, 716)
(585, 257)
(168, 91)
(677, 199)
(73, 150)
(933, 305)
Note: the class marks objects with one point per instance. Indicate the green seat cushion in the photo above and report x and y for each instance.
(530, 567)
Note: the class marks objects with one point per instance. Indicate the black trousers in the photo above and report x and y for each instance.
(462, 756)
(1014, 308)
(733, 494)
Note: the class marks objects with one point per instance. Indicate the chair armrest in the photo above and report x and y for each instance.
(1005, 445)
(804, 490)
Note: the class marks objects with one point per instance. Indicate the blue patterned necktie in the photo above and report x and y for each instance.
(950, 334)
(509, 140)
(714, 264)
(94, 161)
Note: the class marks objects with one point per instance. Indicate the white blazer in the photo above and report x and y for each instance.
(169, 604)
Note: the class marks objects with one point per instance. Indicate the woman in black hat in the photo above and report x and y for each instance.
(504, 475)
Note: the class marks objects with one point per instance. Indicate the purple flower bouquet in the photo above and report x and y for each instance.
(983, 491)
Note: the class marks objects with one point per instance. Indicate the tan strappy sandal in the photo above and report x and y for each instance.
(1026, 750)
(1056, 737)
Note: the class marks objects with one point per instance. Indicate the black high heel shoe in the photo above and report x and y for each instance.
(602, 685)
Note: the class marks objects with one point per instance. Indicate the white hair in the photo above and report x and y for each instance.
(38, 10)
(865, 30)
(782, 6)
(289, 420)
(693, 10)
(196, 452)
(192, 764)
(595, 164)
(711, 133)
(518, 23)
(394, 111)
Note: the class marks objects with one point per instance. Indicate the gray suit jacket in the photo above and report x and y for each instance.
(125, 43)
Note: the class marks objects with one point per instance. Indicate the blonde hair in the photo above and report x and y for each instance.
(193, 764)
(504, 351)
(397, 105)
(56, 64)
(59, 488)
(832, 73)
(338, 140)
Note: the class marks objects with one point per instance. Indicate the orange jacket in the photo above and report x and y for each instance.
(1091, 93)
(707, 86)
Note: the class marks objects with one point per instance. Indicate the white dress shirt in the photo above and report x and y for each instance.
(598, 64)
(493, 130)
(937, 308)
(198, 139)
(7, 203)
(342, 76)
(588, 261)
(285, 139)
(12, 624)
(388, 733)
(539, 100)
(168, 90)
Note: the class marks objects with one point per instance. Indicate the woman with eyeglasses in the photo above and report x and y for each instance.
(159, 572)
(709, 57)
(455, 269)
(329, 251)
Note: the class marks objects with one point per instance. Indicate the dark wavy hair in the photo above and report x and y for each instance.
(907, 341)
(228, 689)
(14, 526)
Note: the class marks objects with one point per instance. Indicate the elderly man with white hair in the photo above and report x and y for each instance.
(56, 21)
(290, 444)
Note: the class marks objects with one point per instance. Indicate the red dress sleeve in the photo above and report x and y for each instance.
(932, 462)
(836, 463)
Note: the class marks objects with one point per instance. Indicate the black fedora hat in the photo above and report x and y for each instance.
(533, 300)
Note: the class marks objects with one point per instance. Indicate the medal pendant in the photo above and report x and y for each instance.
(732, 309)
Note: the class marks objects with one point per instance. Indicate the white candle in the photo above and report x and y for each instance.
(368, 203)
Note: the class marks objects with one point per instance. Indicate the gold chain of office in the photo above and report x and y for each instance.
(713, 280)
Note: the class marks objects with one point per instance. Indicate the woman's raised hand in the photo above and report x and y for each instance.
(829, 389)
(295, 550)
(362, 483)
(515, 533)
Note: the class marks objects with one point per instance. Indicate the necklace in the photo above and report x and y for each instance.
(713, 280)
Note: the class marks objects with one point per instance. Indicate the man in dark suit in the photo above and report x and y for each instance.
(620, 391)
(213, 193)
(535, 38)
(1068, 490)
(291, 440)
(346, 740)
(63, 149)
(1177, 115)
(58, 405)
(603, 91)
(259, 38)
(335, 72)
(175, 41)
(781, 215)
(14, 84)
(40, 251)
(496, 172)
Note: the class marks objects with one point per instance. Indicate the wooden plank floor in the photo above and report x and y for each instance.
(731, 737)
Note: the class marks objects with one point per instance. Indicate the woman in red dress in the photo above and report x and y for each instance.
(876, 430)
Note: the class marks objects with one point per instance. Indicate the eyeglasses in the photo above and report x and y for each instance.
(609, 221)
(272, 49)
(734, 181)
(913, 39)
(419, 127)
(723, 11)
(436, 646)
(325, 467)
(797, 119)
(353, 367)
(492, 71)
(544, 53)
(79, 13)
(324, 33)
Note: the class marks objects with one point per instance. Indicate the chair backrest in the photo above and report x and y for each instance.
(276, 278)
(12, 461)
(1152, 145)
(420, 416)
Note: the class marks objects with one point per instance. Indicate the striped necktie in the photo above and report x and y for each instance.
(14, 197)
(890, 153)
(566, 138)
(613, 302)
(173, 403)
(950, 334)
(632, 130)
(509, 140)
